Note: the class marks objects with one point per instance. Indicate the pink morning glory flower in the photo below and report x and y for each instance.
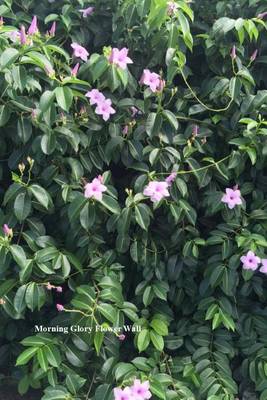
(263, 268)
(75, 70)
(156, 190)
(7, 231)
(60, 307)
(120, 57)
(95, 189)
(250, 261)
(87, 11)
(172, 8)
(52, 31)
(14, 36)
(23, 37)
(140, 391)
(150, 79)
(123, 394)
(80, 51)
(95, 96)
(171, 178)
(59, 289)
(33, 29)
(104, 108)
(232, 197)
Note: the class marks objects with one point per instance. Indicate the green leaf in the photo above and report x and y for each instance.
(171, 118)
(26, 355)
(24, 129)
(159, 326)
(157, 340)
(22, 206)
(143, 340)
(18, 254)
(98, 340)
(111, 204)
(40, 194)
(142, 215)
(46, 100)
(8, 57)
(42, 359)
(64, 96)
(4, 115)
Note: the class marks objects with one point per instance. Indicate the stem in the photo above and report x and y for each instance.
(201, 102)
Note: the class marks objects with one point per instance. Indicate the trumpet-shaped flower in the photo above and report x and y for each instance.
(123, 394)
(79, 51)
(87, 11)
(95, 189)
(263, 268)
(104, 108)
(95, 96)
(232, 197)
(250, 261)
(156, 190)
(140, 390)
(150, 79)
(120, 57)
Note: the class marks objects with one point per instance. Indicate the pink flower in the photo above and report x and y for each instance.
(94, 189)
(232, 197)
(161, 85)
(75, 70)
(100, 178)
(49, 287)
(120, 57)
(123, 394)
(59, 289)
(172, 8)
(87, 11)
(150, 79)
(156, 190)
(125, 130)
(23, 37)
(134, 111)
(262, 15)
(49, 70)
(7, 231)
(33, 29)
(140, 391)
(250, 261)
(60, 307)
(80, 51)
(121, 337)
(233, 53)
(104, 108)
(95, 96)
(263, 269)
(171, 178)
(195, 130)
(254, 55)
(14, 36)
(52, 31)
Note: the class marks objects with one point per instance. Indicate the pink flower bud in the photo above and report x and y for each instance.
(50, 71)
(75, 70)
(100, 178)
(195, 130)
(33, 29)
(161, 85)
(59, 289)
(52, 31)
(125, 130)
(122, 337)
(171, 178)
(23, 37)
(60, 307)
(134, 111)
(7, 231)
(254, 55)
(233, 53)
(262, 15)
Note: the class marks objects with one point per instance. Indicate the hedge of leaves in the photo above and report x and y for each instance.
(134, 194)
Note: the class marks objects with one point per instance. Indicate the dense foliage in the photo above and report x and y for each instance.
(134, 193)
